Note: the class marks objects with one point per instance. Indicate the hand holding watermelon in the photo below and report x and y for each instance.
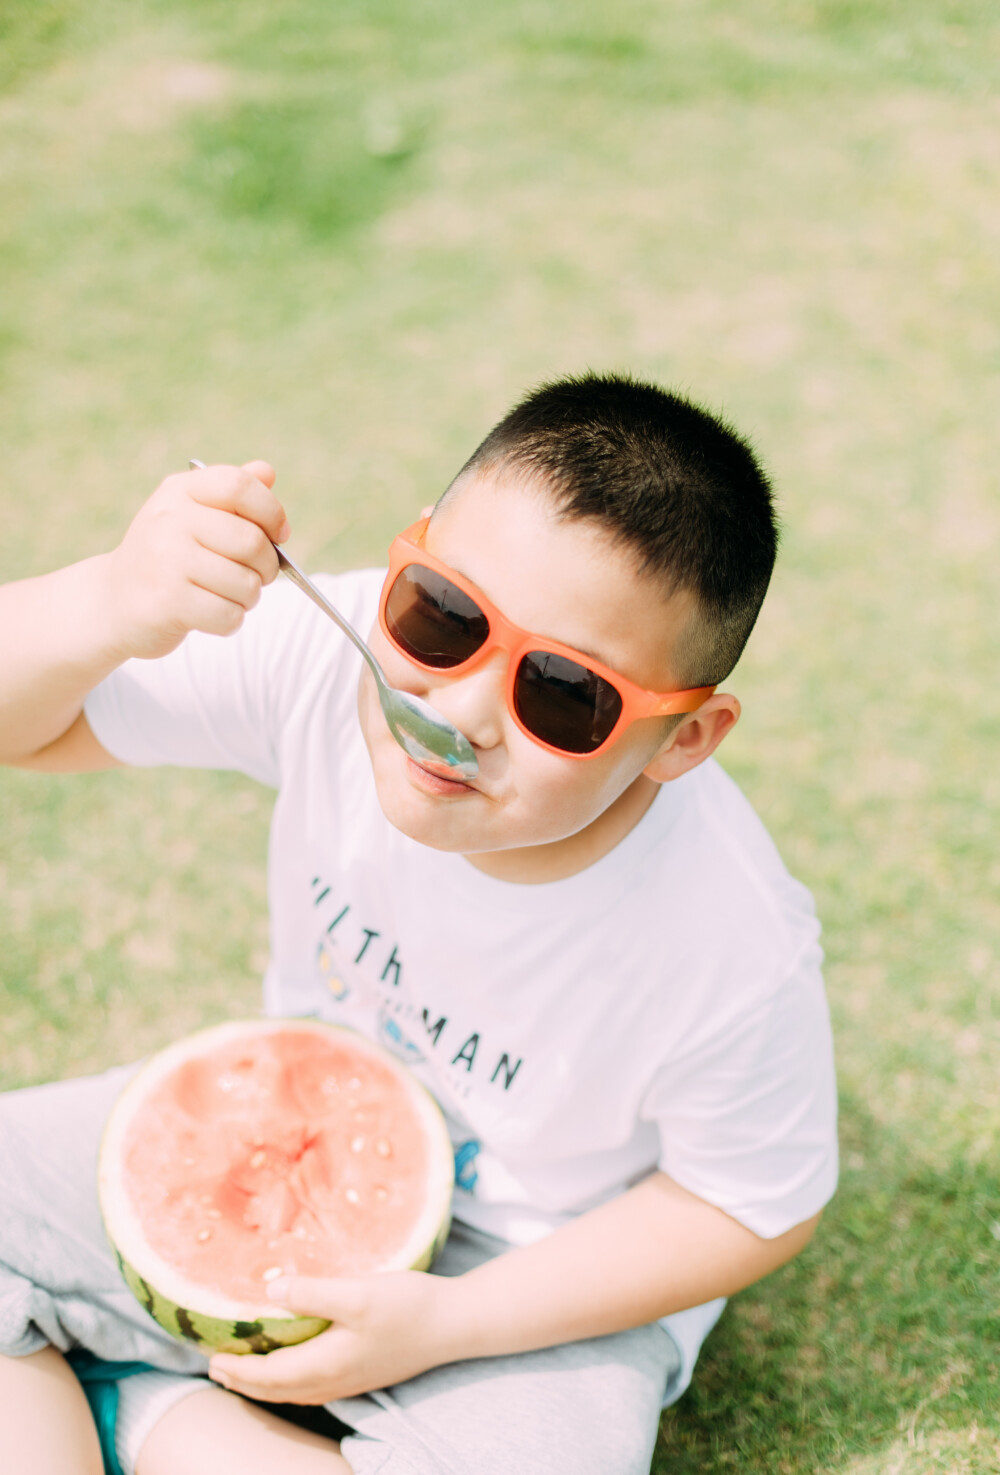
(261, 1152)
(385, 1328)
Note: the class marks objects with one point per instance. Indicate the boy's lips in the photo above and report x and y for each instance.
(434, 783)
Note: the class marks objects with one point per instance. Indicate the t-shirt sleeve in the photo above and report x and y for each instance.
(750, 1122)
(223, 702)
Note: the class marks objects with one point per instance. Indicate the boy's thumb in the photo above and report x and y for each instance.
(337, 1300)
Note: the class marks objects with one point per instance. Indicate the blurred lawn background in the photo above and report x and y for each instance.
(344, 238)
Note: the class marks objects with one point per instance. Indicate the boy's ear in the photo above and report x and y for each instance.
(695, 739)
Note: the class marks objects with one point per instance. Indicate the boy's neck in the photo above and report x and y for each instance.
(536, 864)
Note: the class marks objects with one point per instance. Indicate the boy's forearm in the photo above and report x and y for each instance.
(655, 1250)
(56, 644)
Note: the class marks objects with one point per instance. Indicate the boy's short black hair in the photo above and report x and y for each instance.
(669, 481)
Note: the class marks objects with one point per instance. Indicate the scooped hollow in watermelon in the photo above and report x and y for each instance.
(263, 1148)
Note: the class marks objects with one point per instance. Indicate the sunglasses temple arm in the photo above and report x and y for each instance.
(683, 702)
(291, 571)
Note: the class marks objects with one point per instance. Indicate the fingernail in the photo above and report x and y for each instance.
(285, 531)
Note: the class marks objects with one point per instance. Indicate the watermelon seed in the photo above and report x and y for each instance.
(381, 1194)
(189, 1162)
(382, 1148)
(272, 1273)
(259, 1159)
(352, 1196)
(354, 1084)
(357, 1144)
(215, 1213)
(204, 1234)
(298, 1232)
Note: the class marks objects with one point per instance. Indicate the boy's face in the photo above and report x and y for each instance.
(570, 582)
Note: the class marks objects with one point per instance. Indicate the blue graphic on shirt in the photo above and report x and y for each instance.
(393, 1038)
(466, 1173)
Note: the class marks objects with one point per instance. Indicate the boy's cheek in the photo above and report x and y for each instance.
(556, 797)
(587, 789)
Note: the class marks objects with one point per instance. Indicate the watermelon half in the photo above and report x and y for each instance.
(262, 1148)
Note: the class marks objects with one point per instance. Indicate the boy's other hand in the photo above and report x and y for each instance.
(385, 1328)
(195, 557)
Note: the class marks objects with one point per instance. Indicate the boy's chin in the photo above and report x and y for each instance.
(428, 818)
(419, 819)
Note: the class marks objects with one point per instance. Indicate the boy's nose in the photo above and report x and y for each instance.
(475, 703)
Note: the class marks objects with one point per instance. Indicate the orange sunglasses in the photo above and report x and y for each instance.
(560, 698)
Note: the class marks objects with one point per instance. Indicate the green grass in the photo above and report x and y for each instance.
(345, 238)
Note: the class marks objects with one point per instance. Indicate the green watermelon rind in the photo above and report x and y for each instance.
(212, 1334)
(258, 1333)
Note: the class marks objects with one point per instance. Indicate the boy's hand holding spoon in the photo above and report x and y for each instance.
(195, 557)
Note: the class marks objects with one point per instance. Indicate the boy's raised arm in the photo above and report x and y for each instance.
(194, 558)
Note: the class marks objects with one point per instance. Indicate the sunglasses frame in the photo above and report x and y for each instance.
(407, 548)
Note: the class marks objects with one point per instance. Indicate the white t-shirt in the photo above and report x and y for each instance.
(662, 1008)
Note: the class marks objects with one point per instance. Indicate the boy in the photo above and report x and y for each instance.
(591, 954)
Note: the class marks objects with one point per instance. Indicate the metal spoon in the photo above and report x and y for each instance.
(420, 731)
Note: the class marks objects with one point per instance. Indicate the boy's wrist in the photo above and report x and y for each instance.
(454, 1327)
(110, 642)
(77, 620)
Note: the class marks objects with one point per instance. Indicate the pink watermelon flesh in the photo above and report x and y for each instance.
(285, 1153)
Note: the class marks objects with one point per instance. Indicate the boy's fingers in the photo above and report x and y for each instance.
(210, 613)
(285, 1374)
(253, 1382)
(235, 489)
(232, 581)
(235, 538)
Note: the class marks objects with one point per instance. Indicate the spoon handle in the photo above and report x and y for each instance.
(292, 571)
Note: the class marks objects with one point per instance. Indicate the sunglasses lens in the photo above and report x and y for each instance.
(563, 703)
(432, 621)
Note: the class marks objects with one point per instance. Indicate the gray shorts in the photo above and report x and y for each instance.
(585, 1408)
